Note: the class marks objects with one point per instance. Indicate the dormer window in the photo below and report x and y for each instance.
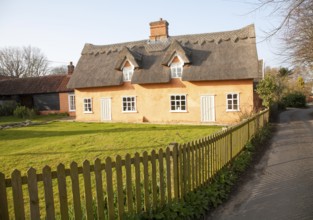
(176, 67)
(128, 71)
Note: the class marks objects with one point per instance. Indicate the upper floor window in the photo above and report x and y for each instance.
(176, 67)
(87, 105)
(232, 102)
(128, 72)
(71, 102)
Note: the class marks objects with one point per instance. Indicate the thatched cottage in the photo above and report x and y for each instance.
(197, 78)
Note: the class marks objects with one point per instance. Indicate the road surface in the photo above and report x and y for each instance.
(281, 184)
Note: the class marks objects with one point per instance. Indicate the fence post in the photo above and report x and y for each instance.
(129, 192)
(176, 170)
(110, 193)
(62, 191)
(88, 192)
(146, 181)
(99, 189)
(4, 213)
(249, 128)
(230, 132)
(75, 190)
(18, 199)
(48, 188)
(119, 181)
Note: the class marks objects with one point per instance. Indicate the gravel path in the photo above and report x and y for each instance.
(281, 185)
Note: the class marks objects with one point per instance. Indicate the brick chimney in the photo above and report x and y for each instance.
(70, 68)
(158, 30)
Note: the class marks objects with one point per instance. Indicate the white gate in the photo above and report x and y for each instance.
(207, 108)
(106, 114)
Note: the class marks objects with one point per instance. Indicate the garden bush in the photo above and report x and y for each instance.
(24, 112)
(7, 108)
(296, 99)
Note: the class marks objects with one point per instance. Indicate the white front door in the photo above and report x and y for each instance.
(207, 108)
(106, 114)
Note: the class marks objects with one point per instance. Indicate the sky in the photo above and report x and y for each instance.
(60, 28)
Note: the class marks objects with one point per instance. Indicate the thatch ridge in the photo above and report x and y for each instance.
(212, 56)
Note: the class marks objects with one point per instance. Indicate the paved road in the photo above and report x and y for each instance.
(281, 186)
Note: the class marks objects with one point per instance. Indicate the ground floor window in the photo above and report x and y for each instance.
(129, 104)
(71, 102)
(178, 103)
(232, 102)
(87, 105)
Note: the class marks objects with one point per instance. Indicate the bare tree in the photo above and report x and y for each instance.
(58, 70)
(295, 27)
(22, 62)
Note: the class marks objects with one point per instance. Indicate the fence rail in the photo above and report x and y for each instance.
(126, 186)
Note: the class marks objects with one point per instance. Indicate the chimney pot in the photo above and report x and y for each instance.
(70, 68)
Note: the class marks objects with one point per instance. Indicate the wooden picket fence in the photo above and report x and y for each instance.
(115, 189)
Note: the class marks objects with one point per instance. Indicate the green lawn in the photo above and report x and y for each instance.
(63, 142)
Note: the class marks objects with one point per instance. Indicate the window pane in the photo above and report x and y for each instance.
(235, 107)
(235, 102)
(229, 96)
(234, 96)
(172, 98)
(183, 97)
(183, 108)
(173, 107)
(229, 102)
(183, 103)
(178, 97)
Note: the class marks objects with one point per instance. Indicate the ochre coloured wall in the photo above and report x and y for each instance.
(153, 101)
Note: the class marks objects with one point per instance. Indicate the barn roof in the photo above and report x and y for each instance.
(229, 55)
(35, 85)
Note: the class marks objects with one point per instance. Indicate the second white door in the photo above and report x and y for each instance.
(106, 114)
(207, 108)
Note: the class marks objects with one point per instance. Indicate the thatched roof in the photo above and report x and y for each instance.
(229, 55)
(35, 85)
(5, 77)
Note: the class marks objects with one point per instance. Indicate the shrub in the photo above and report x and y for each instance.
(295, 99)
(7, 108)
(24, 112)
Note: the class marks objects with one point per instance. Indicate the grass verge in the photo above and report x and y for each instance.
(198, 203)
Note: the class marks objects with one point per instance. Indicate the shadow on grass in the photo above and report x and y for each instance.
(135, 149)
(13, 134)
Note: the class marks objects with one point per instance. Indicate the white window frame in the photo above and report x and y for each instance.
(85, 104)
(176, 66)
(71, 103)
(132, 101)
(232, 109)
(178, 110)
(128, 72)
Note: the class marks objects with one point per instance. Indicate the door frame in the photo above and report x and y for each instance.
(213, 107)
(101, 109)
